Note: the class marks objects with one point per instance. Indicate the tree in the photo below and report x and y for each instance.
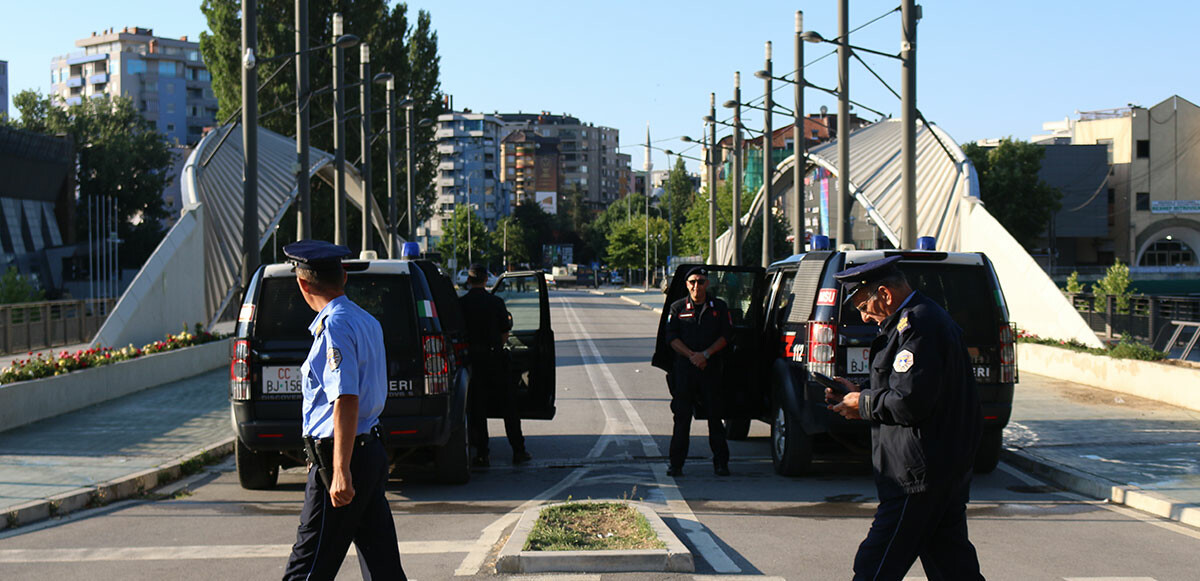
(678, 195)
(397, 45)
(119, 156)
(1116, 284)
(1073, 285)
(509, 239)
(627, 244)
(466, 238)
(1011, 189)
(17, 288)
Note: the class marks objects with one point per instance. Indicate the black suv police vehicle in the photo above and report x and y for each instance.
(425, 340)
(790, 319)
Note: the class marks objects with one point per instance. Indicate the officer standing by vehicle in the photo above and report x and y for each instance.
(926, 426)
(345, 387)
(698, 327)
(488, 323)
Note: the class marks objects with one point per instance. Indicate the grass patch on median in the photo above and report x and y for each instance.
(591, 526)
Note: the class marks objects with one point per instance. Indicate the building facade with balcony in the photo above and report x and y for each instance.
(165, 77)
(469, 170)
(589, 154)
(532, 166)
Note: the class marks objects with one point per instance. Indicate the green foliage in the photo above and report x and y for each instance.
(591, 526)
(1073, 284)
(398, 45)
(16, 288)
(1011, 188)
(1116, 284)
(1127, 348)
(119, 155)
(695, 228)
(509, 239)
(678, 195)
(627, 243)
(466, 238)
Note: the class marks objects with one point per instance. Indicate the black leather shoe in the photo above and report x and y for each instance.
(480, 462)
(521, 457)
(721, 470)
(675, 471)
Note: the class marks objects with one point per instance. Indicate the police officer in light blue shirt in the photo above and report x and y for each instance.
(345, 387)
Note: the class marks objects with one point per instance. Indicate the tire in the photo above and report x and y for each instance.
(256, 470)
(791, 448)
(737, 429)
(452, 461)
(988, 455)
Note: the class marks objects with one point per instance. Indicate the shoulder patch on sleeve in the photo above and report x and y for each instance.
(903, 361)
(333, 357)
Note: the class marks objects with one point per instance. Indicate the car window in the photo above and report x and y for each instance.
(284, 316)
(783, 298)
(964, 290)
(736, 289)
(522, 296)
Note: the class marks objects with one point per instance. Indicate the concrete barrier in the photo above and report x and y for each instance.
(25, 402)
(1170, 384)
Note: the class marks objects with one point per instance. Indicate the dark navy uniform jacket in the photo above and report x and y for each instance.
(487, 319)
(922, 399)
(699, 325)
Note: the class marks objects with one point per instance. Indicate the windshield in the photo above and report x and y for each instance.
(284, 316)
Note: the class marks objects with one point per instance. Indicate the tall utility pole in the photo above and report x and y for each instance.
(391, 166)
(411, 180)
(648, 165)
(303, 185)
(768, 166)
(364, 107)
(908, 90)
(339, 137)
(735, 227)
(249, 143)
(844, 233)
(799, 147)
(711, 156)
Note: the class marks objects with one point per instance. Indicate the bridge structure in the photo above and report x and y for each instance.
(193, 275)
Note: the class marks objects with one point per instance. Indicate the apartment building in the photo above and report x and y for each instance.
(589, 154)
(165, 78)
(533, 166)
(3, 89)
(469, 170)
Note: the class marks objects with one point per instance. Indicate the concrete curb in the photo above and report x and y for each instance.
(1170, 384)
(1098, 487)
(113, 490)
(676, 557)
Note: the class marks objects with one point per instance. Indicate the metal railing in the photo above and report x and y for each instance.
(45, 324)
(1150, 319)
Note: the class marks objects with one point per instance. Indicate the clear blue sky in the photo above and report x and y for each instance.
(985, 69)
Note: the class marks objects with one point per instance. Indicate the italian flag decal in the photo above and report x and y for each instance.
(425, 309)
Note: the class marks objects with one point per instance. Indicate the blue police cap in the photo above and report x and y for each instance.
(315, 254)
(859, 276)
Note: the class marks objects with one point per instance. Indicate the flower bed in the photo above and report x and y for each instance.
(1126, 349)
(43, 365)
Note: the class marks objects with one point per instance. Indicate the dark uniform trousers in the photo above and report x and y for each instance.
(690, 386)
(491, 388)
(930, 525)
(326, 532)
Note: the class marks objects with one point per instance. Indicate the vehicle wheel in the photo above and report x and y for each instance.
(737, 429)
(791, 448)
(452, 461)
(256, 470)
(989, 450)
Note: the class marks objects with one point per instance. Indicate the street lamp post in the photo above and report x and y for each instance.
(799, 159)
(389, 81)
(768, 166)
(364, 107)
(843, 123)
(711, 156)
(249, 142)
(409, 162)
(303, 185)
(735, 227)
(339, 139)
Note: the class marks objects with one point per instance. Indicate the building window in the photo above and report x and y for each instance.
(1168, 252)
(170, 128)
(135, 66)
(1143, 149)
(171, 108)
(166, 68)
(1143, 202)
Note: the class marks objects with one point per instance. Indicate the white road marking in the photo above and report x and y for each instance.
(1108, 579)
(555, 578)
(195, 552)
(677, 508)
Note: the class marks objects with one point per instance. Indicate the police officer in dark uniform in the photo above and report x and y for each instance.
(926, 424)
(488, 323)
(698, 327)
(345, 387)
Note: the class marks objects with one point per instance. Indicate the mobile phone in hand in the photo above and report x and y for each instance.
(824, 380)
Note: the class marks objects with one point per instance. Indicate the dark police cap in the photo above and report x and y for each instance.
(699, 270)
(315, 254)
(477, 271)
(857, 277)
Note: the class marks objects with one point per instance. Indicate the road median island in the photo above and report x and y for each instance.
(516, 556)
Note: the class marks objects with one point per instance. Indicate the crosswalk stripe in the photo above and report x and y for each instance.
(200, 552)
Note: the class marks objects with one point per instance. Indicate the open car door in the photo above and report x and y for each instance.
(742, 289)
(530, 345)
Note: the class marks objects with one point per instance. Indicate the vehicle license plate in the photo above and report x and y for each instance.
(282, 380)
(858, 360)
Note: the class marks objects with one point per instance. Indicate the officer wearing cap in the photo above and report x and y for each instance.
(345, 387)
(698, 327)
(926, 421)
(488, 324)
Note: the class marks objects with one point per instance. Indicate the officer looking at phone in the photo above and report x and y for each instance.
(345, 387)
(926, 423)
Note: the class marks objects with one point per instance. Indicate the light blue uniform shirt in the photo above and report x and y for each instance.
(346, 358)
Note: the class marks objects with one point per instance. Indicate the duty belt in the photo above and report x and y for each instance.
(320, 452)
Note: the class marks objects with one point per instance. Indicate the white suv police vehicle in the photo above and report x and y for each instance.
(424, 419)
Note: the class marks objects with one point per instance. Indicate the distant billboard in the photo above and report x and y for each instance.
(548, 201)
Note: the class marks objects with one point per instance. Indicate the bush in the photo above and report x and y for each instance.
(1115, 283)
(1126, 349)
(46, 365)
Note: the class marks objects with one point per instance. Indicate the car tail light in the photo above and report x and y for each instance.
(822, 348)
(1008, 354)
(437, 364)
(239, 371)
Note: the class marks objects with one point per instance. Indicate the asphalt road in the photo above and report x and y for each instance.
(607, 441)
